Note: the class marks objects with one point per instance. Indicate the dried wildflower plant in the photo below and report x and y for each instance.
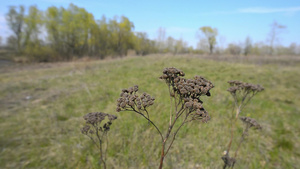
(184, 99)
(96, 128)
(242, 93)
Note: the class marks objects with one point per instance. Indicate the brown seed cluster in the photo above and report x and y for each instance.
(189, 90)
(86, 129)
(192, 88)
(241, 86)
(130, 100)
(94, 119)
(169, 74)
(197, 111)
(186, 88)
(251, 122)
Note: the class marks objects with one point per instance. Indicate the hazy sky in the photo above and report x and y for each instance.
(235, 20)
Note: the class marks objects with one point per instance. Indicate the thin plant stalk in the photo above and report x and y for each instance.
(242, 93)
(96, 130)
(184, 98)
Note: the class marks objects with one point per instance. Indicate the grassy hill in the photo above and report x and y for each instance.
(42, 107)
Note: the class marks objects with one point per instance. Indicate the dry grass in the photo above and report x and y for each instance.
(42, 107)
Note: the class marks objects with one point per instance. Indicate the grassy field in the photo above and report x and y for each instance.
(42, 107)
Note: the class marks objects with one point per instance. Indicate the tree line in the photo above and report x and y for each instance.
(60, 34)
(65, 33)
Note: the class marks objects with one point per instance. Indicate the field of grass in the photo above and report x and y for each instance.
(42, 107)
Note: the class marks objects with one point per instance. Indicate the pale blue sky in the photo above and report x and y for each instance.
(235, 20)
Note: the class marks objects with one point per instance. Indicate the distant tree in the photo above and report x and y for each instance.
(260, 48)
(294, 50)
(190, 49)
(180, 47)
(11, 42)
(53, 23)
(122, 36)
(70, 30)
(169, 45)
(273, 36)
(203, 45)
(161, 38)
(297, 50)
(73, 32)
(234, 49)
(248, 46)
(142, 43)
(33, 22)
(32, 42)
(15, 20)
(210, 34)
(221, 43)
(0, 40)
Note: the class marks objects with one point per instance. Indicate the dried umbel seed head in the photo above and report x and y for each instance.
(200, 114)
(193, 104)
(130, 100)
(196, 110)
(235, 82)
(188, 90)
(94, 119)
(233, 89)
(192, 88)
(169, 74)
(251, 122)
(241, 86)
(85, 129)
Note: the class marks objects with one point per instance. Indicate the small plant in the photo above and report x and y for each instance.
(184, 99)
(242, 94)
(96, 128)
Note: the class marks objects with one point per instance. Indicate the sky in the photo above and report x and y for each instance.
(235, 20)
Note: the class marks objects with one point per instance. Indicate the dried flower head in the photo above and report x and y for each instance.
(243, 93)
(192, 88)
(94, 119)
(85, 129)
(196, 110)
(169, 74)
(241, 86)
(130, 100)
(188, 91)
(251, 122)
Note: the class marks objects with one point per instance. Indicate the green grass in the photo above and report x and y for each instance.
(42, 107)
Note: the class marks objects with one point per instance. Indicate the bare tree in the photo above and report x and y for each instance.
(273, 36)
